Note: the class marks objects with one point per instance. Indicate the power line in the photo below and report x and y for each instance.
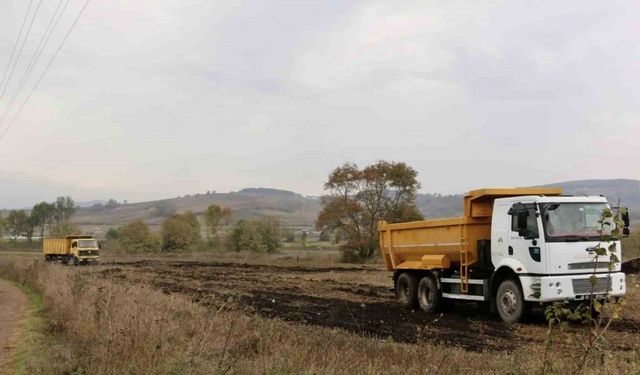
(26, 36)
(15, 46)
(36, 56)
(17, 114)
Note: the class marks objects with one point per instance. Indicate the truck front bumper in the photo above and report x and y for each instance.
(573, 287)
(89, 259)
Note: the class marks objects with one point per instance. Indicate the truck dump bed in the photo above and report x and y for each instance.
(55, 246)
(445, 243)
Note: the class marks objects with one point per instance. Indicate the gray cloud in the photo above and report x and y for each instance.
(159, 98)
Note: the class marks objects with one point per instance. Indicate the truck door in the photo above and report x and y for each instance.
(524, 241)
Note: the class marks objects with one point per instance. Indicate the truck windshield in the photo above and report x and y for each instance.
(87, 244)
(573, 221)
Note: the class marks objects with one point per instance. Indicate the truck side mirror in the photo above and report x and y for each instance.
(626, 231)
(99, 246)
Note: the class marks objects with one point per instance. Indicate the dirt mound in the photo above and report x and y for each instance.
(631, 266)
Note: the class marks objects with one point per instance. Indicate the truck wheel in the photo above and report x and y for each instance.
(429, 297)
(407, 290)
(73, 261)
(509, 301)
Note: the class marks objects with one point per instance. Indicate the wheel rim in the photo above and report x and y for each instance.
(509, 302)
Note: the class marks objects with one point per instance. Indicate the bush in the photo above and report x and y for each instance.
(180, 232)
(256, 235)
(134, 237)
(112, 234)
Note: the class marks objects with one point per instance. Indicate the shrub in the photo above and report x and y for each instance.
(261, 235)
(180, 232)
(135, 237)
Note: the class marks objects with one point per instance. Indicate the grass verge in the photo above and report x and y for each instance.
(31, 346)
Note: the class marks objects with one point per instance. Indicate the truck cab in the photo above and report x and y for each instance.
(85, 250)
(551, 249)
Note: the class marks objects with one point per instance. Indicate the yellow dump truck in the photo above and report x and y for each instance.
(71, 250)
(512, 248)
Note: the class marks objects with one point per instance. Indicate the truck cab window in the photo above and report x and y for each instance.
(532, 224)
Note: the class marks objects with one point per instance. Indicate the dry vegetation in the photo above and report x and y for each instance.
(167, 317)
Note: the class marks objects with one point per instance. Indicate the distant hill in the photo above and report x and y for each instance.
(295, 210)
(290, 208)
(627, 191)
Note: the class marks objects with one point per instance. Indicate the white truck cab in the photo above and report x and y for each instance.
(554, 256)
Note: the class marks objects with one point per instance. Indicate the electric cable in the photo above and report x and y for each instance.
(46, 69)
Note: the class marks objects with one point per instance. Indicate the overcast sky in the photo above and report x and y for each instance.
(158, 98)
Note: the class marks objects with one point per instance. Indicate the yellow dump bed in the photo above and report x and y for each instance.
(443, 243)
(56, 246)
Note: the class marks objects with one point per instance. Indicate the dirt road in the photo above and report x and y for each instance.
(356, 299)
(13, 309)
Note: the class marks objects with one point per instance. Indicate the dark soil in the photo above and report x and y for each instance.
(308, 295)
(631, 266)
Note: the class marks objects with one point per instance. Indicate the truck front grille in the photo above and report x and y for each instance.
(588, 265)
(86, 253)
(583, 286)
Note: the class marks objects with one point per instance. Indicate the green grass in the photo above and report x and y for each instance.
(33, 340)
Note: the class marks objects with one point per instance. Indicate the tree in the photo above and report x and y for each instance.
(42, 216)
(111, 204)
(212, 217)
(134, 237)
(4, 225)
(64, 208)
(256, 235)
(359, 198)
(111, 234)
(17, 222)
(303, 239)
(178, 234)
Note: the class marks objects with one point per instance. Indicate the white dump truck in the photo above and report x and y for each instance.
(512, 248)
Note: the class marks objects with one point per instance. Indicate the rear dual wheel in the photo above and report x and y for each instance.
(407, 290)
(429, 296)
(412, 291)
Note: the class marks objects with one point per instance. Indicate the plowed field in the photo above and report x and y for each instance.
(357, 299)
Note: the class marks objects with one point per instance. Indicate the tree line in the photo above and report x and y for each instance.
(44, 217)
(183, 232)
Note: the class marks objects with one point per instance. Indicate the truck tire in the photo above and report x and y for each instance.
(73, 261)
(510, 301)
(429, 296)
(407, 290)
